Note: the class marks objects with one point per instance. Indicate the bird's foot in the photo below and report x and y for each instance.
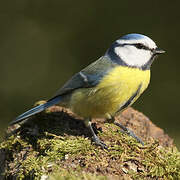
(98, 142)
(129, 132)
(95, 138)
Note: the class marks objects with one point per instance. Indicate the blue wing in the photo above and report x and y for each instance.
(89, 76)
(86, 78)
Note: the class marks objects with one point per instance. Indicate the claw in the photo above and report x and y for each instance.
(129, 132)
(95, 138)
(98, 142)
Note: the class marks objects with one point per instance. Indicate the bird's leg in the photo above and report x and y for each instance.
(125, 130)
(95, 138)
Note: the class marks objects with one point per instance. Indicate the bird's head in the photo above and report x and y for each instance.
(134, 50)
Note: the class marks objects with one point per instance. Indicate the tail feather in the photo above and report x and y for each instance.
(36, 110)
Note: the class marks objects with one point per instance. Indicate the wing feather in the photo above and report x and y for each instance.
(88, 77)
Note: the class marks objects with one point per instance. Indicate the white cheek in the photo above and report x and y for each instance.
(133, 56)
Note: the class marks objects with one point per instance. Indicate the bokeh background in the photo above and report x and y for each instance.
(43, 43)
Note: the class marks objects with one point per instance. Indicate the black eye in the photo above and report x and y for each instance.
(140, 46)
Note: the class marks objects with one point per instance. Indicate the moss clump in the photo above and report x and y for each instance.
(76, 175)
(57, 145)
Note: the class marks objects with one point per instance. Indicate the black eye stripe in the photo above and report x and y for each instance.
(138, 46)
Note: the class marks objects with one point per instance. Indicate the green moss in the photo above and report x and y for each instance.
(62, 151)
(71, 175)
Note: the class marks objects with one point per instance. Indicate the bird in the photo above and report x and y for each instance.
(107, 86)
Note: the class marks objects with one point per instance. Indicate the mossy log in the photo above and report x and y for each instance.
(56, 145)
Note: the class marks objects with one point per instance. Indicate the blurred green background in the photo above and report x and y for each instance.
(43, 43)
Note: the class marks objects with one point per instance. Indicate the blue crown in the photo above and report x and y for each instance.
(133, 36)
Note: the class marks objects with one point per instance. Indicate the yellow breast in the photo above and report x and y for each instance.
(114, 90)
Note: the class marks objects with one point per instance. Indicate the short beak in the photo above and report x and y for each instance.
(158, 51)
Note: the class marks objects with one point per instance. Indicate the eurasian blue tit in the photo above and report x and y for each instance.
(109, 85)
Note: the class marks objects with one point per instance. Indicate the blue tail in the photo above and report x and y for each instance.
(36, 110)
